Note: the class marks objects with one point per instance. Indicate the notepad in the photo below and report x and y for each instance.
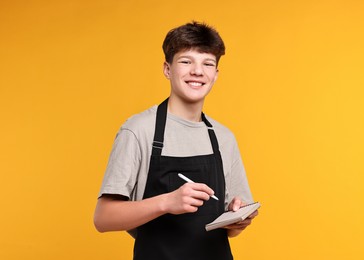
(231, 217)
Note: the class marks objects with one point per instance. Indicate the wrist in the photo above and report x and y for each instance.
(163, 203)
(233, 232)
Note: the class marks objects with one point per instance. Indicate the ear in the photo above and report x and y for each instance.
(166, 69)
(217, 73)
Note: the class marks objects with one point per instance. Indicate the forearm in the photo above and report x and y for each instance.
(117, 215)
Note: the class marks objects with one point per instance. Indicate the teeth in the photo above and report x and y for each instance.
(195, 84)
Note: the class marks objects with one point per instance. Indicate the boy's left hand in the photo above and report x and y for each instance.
(236, 228)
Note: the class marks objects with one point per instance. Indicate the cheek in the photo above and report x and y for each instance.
(213, 77)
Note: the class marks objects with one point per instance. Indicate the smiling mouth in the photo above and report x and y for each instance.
(195, 83)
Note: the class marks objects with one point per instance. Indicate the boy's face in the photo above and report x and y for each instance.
(192, 75)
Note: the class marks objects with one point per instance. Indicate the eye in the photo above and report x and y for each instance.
(184, 62)
(210, 64)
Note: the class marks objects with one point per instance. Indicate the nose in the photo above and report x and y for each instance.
(197, 70)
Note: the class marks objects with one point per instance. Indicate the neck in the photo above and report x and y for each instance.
(188, 111)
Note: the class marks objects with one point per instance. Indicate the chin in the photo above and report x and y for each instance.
(194, 99)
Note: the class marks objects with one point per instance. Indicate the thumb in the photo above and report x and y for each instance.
(235, 204)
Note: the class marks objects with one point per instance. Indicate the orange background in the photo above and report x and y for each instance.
(290, 87)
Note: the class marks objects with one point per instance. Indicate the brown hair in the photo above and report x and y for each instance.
(194, 35)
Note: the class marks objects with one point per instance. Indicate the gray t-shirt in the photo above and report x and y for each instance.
(128, 165)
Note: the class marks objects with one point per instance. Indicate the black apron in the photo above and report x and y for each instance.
(183, 237)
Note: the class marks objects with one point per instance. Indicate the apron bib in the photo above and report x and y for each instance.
(183, 237)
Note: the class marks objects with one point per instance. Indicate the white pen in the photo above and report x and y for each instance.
(190, 181)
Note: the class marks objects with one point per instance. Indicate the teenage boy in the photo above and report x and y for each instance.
(142, 191)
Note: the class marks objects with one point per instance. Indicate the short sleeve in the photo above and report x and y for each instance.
(123, 165)
(239, 186)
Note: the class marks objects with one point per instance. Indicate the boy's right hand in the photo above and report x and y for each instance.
(187, 198)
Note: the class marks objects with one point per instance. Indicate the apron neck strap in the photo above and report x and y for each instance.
(160, 125)
(213, 139)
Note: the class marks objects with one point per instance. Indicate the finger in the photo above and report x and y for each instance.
(239, 225)
(202, 187)
(191, 204)
(244, 223)
(253, 215)
(235, 204)
(193, 197)
(234, 226)
(200, 195)
(197, 202)
(189, 208)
